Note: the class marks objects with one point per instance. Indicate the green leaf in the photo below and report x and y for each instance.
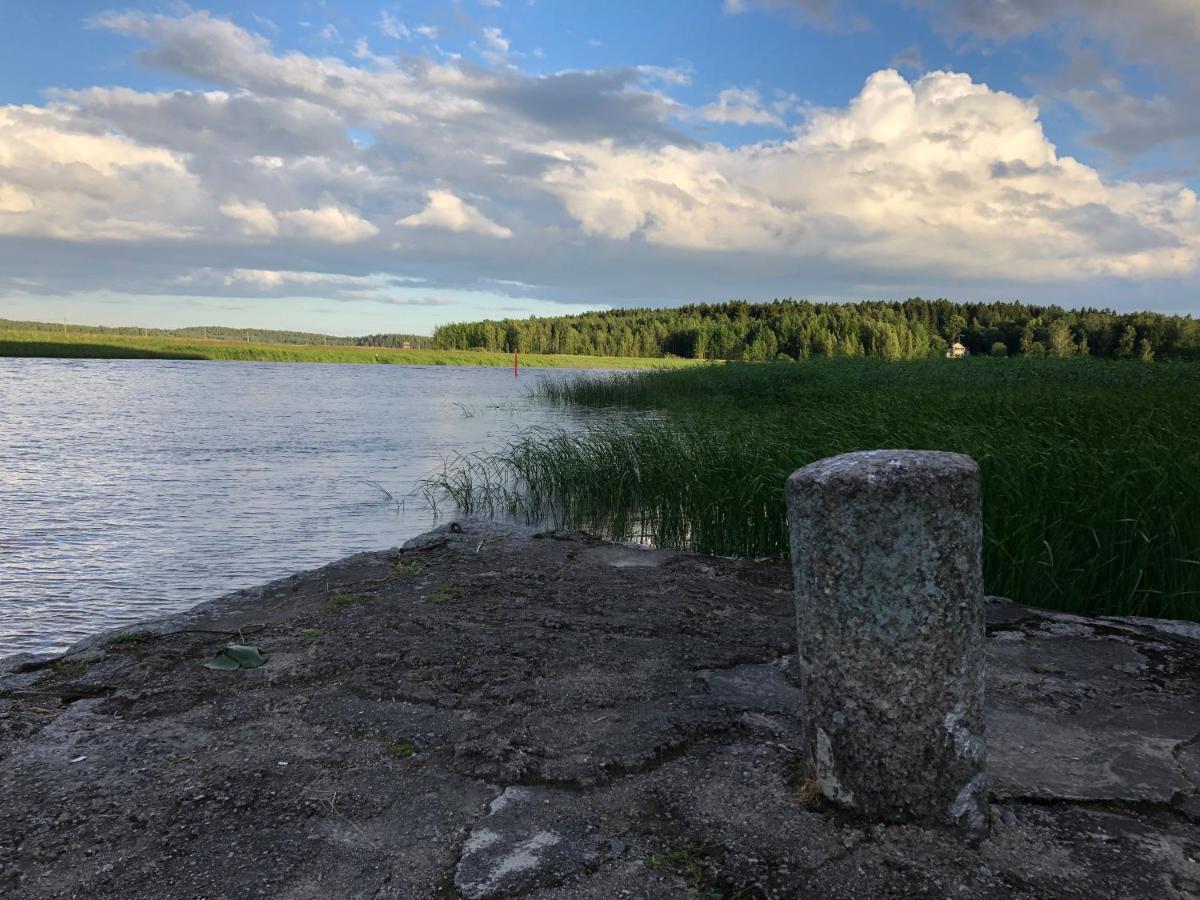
(222, 663)
(245, 655)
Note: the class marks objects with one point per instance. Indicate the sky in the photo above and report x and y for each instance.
(355, 167)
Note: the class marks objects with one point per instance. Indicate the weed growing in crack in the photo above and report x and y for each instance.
(126, 638)
(400, 748)
(683, 861)
(69, 668)
(338, 602)
(444, 593)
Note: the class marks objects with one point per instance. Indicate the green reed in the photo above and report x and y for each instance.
(105, 345)
(1091, 470)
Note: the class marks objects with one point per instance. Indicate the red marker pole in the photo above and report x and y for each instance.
(516, 364)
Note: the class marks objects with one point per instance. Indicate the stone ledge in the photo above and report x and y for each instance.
(621, 721)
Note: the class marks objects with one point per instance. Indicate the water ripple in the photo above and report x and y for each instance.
(132, 488)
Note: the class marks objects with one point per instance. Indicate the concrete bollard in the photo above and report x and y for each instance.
(886, 550)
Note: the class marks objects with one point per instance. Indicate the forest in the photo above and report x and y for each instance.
(800, 329)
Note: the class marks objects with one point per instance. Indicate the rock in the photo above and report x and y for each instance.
(644, 716)
(886, 548)
(531, 837)
(1081, 715)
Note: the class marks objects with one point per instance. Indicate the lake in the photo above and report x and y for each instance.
(134, 488)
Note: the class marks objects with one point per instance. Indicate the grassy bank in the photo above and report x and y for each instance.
(1091, 470)
(77, 345)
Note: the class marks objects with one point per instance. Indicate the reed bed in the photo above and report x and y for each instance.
(1091, 470)
(103, 345)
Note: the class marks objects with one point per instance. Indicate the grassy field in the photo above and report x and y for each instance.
(108, 346)
(1091, 470)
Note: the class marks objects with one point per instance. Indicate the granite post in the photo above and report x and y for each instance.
(886, 551)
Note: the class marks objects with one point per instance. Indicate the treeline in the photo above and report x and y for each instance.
(396, 341)
(799, 329)
(225, 333)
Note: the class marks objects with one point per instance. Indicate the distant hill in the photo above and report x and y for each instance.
(224, 333)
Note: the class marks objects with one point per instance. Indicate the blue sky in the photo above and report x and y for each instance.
(355, 167)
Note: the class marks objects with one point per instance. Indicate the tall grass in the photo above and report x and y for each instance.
(104, 345)
(1091, 470)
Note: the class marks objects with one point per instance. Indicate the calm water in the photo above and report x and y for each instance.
(137, 487)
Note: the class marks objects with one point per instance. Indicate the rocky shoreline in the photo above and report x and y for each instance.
(490, 712)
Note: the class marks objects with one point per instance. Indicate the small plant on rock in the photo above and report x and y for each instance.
(444, 593)
(337, 602)
(401, 748)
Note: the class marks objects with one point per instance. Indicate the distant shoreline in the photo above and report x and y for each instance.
(47, 345)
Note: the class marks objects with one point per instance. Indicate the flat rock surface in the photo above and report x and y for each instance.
(490, 713)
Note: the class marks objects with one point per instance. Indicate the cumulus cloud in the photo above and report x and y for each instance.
(331, 223)
(14, 200)
(1159, 36)
(603, 190)
(447, 211)
(61, 180)
(253, 217)
(941, 172)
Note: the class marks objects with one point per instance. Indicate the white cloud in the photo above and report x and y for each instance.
(937, 181)
(446, 210)
(496, 46)
(330, 223)
(420, 95)
(60, 180)
(274, 278)
(254, 218)
(676, 76)
(739, 106)
(14, 200)
(390, 26)
(941, 173)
